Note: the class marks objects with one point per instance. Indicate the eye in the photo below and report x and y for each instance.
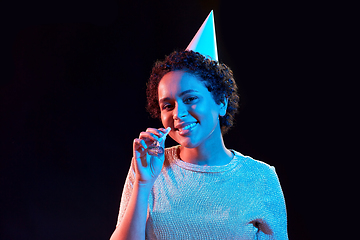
(190, 99)
(166, 106)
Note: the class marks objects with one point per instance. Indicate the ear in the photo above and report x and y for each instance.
(223, 107)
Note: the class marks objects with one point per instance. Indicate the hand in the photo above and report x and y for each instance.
(148, 167)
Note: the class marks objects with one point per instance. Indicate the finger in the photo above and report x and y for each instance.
(157, 132)
(148, 136)
(139, 147)
(139, 143)
(166, 132)
(163, 130)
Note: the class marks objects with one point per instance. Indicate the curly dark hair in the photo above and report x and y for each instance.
(217, 77)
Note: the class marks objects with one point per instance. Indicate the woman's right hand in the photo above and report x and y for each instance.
(148, 167)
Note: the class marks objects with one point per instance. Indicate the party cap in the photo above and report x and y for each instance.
(204, 41)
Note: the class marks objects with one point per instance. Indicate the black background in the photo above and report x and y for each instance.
(73, 99)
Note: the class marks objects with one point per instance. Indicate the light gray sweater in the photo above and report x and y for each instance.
(240, 200)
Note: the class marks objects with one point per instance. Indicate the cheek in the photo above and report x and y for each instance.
(166, 120)
(205, 113)
(200, 111)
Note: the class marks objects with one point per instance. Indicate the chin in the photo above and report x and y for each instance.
(188, 144)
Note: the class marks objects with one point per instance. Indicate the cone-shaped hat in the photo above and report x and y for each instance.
(204, 41)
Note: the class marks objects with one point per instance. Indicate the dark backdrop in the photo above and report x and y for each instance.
(73, 99)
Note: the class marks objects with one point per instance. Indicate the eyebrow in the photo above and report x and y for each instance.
(180, 95)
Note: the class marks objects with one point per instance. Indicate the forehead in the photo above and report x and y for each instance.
(175, 82)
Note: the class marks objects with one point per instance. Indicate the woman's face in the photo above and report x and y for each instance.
(189, 109)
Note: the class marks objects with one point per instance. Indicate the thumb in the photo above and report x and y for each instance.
(163, 138)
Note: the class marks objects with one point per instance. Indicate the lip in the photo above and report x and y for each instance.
(182, 125)
(184, 132)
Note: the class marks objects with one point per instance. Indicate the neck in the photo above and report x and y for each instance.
(210, 153)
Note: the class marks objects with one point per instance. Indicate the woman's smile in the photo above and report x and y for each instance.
(186, 128)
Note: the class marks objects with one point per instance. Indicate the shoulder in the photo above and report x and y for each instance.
(255, 167)
(260, 174)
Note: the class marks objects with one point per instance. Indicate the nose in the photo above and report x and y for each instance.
(180, 111)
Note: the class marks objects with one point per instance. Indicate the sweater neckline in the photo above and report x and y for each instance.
(174, 157)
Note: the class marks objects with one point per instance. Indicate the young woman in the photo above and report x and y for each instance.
(198, 189)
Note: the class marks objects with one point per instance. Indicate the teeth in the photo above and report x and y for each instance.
(188, 126)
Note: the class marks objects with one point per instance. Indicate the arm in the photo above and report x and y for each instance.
(133, 210)
(275, 225)
(134, 219)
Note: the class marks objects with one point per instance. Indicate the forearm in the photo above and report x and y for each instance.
(133, 223)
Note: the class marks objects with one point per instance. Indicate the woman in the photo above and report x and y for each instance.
(198, 189)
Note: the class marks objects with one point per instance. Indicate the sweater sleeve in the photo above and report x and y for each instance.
(275, 225)
(126, 194)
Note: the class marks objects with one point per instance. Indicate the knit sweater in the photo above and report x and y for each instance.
(240, 200)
